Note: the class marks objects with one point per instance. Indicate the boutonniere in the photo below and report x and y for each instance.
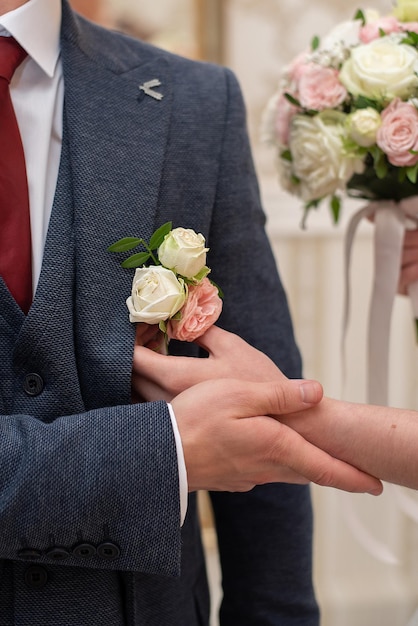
(171, 287)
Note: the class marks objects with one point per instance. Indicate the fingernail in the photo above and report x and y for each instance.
(310, 391)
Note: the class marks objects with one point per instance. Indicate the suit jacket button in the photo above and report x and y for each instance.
(29, 553)
(108, 550)
(36, 577)
(33, 384)
(57, 553)
(84, 550)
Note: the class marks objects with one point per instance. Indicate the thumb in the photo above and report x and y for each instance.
(291, 395)
(243, 399)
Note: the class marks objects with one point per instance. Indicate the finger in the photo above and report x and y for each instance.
(169, 372)
(214, 339)
(144, 333)
(321, 468)
(411, 238)
(148, 391)
(408, 276)
(409, 256)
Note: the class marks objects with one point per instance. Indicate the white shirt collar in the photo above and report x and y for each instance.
(36, 26)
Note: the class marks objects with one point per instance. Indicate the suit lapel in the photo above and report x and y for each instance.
(117, 143)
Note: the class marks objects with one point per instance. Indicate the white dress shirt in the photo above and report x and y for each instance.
(37, 92)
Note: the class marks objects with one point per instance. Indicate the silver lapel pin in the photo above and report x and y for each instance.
(148, 90)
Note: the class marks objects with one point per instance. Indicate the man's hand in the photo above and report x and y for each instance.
(159, 377)
(228, 409)
(233, 439)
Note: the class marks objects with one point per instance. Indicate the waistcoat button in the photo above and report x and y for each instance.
(36, 577)
(33, 384)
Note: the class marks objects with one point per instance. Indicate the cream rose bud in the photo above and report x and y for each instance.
(183, 251)
(157, 294)
(382, 70)
(363, 125)
(406, 10)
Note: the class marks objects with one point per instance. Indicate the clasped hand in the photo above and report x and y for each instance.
(228, 409)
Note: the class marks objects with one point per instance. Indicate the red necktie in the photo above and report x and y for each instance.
(15, 234)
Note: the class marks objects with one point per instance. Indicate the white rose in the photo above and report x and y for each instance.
(318, 157)
(346, 34)
(406, 10)
(183, 251)
(363, 125)
(157, 295)
(382, 70)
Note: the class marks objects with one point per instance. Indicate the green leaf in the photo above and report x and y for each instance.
(411, 39)
(382, 32)
(380, 162)
(381, 168)
(335, 205)
(315, 43)
(202, 274)
(125, 244)
(286, 155)
(163, 327)
(136, 260)
(402, 175)
(158, 237)
(361, 102)
(360, 16)
(412, 173)
(220, 292)
(292, 99)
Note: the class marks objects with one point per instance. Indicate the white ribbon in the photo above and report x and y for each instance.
(414, 620)
(390, 218)
(390, 222)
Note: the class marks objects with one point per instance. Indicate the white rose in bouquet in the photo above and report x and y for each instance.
(381, 70)
(319, 161)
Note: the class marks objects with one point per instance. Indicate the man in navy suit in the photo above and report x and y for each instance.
(95, 524)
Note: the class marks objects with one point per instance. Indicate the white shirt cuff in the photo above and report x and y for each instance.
(183, 486)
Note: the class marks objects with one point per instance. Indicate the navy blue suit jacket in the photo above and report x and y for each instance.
(89, 502)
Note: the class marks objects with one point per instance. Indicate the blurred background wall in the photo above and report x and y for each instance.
(256, 38)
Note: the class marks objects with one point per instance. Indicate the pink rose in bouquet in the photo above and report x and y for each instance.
(397, 135)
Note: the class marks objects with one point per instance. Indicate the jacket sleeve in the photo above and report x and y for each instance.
(265, 535)
(109, 498)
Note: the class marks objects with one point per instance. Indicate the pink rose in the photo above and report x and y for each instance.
(201, 310)
(297, 67)
(398, 133)
(320, 88)
(388, 24)
(412, 27)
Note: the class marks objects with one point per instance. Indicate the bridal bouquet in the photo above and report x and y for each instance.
(344, 121)
(345, 116)
(171, 287)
